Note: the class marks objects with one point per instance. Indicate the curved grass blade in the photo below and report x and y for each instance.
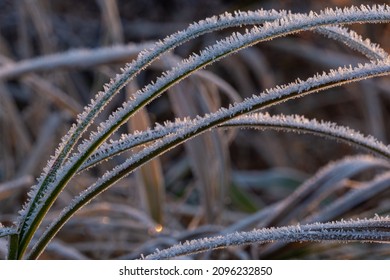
(372, 230)
(323, 180)
(352, 199)
(265, 121)
(354, 41)
(26, 226)
(268, 215)
(196, 127)
(302, 125)
(40, 201)
(188, 64)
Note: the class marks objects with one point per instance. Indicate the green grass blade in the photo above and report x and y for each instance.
(32, 213)
(194, 128)
(43, 195)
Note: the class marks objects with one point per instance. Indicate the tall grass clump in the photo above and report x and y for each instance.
(89, 141)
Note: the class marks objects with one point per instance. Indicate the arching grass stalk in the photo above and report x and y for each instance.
(63, 167)
(200, 125)
(86, 118)
(370, 230)
(258, 121)
(112, 88)
(45, 196)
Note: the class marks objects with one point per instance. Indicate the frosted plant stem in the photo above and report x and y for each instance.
(128, 142)
(374, 230)
(301, 124)
(44, 195)
(297, 124)
(201, 125)
(354, 41)
(85, 58)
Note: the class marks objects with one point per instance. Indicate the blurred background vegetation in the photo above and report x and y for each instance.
(206, 185)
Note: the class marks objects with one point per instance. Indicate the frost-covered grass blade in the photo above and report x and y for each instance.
(372, 230)
(76, 154)
(200, 125)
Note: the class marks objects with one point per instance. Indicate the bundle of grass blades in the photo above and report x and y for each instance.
(121, 167)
